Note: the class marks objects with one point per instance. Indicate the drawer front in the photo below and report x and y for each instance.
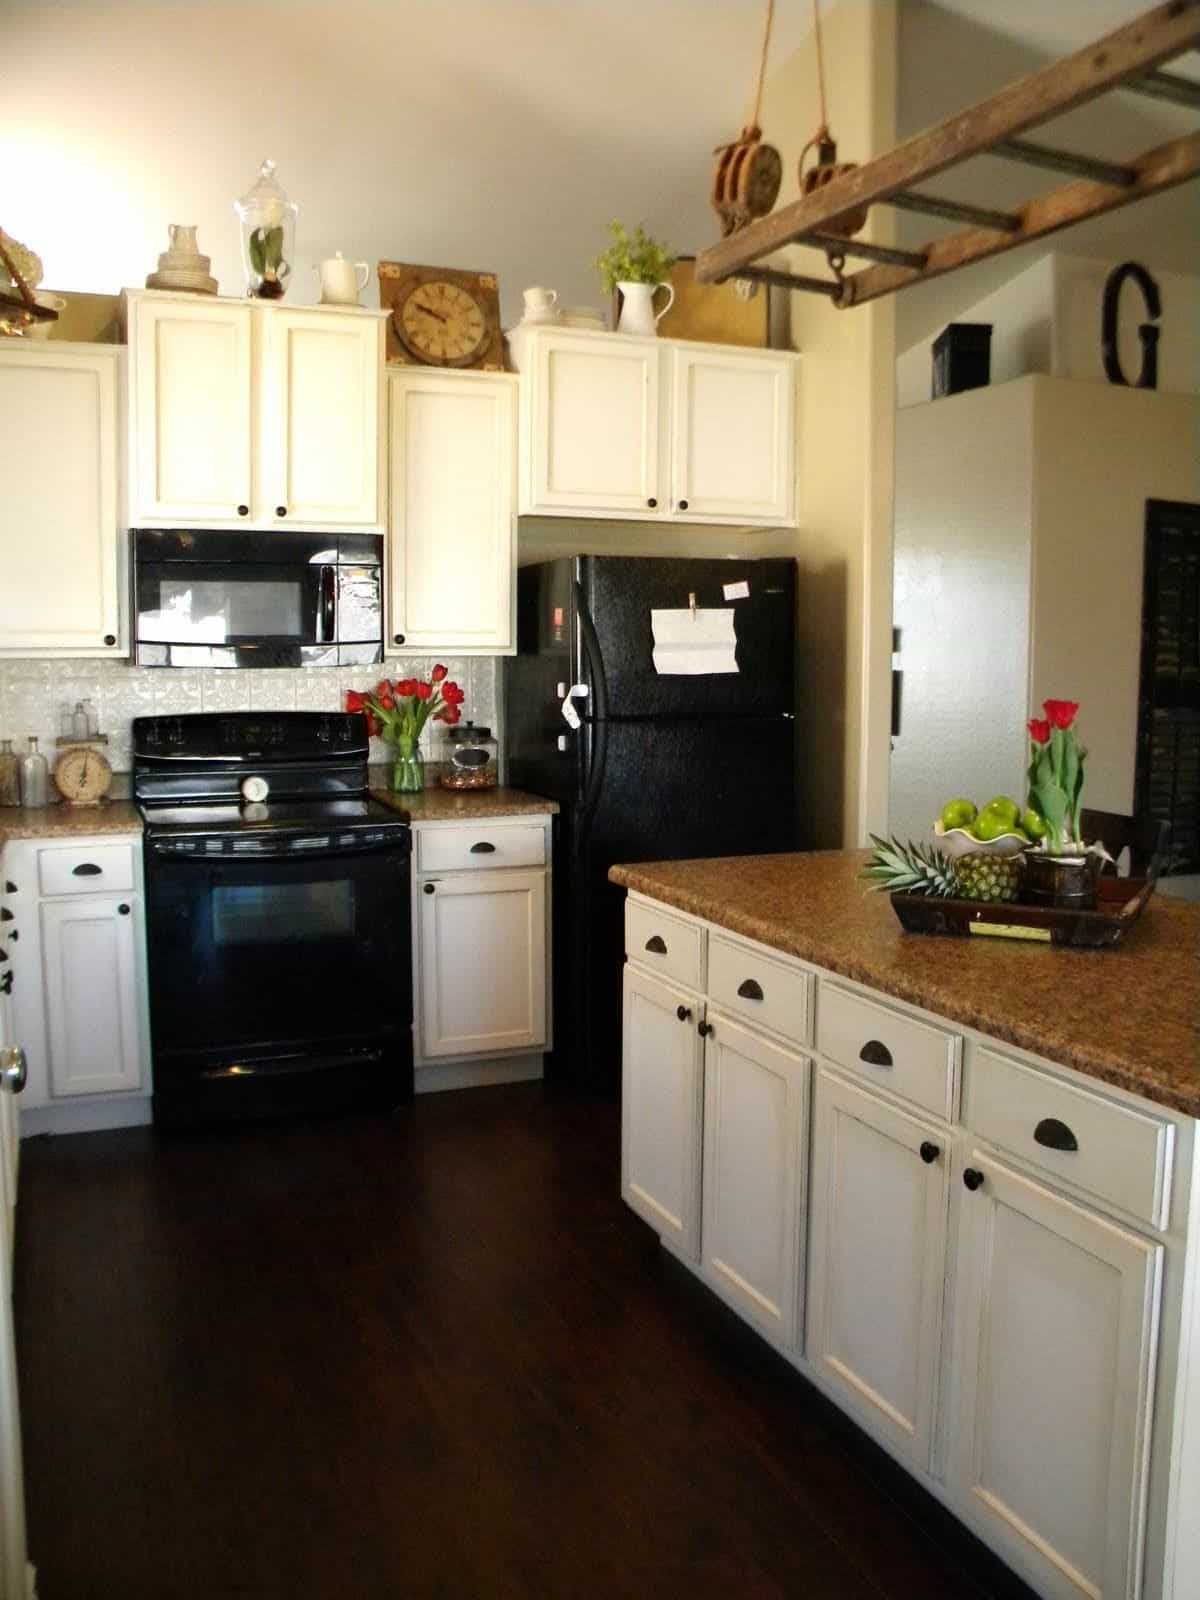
(1122, 1154)
(663, 944)
(760, 987)
(78, 869)
(913, 1059)
(459, 849)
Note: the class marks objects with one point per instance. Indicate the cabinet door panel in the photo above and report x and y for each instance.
(661, 1089)
(755, 1096)
(58, 488)
(483, 963)
(594, 441)
(1057, 1331)
(321, 422)
(452, 509)
(878, 1240)
(191, 413)
(90, 973)
(732, 445)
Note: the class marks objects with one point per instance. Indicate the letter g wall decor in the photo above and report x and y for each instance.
(1147, 332)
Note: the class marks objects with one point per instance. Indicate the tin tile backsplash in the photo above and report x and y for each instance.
(31, 693)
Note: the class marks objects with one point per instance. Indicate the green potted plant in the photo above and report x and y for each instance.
(636, 265)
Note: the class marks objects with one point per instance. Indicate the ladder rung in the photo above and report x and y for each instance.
(1168, 86)
(954, 211)
(834, 244)
(788, 280)
(1042, 155)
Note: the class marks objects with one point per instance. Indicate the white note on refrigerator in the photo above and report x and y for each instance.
(693, 643)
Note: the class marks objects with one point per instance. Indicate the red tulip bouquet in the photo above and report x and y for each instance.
(1056, 776)
(398, 712)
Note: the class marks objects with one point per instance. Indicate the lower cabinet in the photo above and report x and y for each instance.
(1058, 1320)
(90, 974)
(878, 1240)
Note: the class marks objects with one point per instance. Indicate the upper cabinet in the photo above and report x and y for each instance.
(452, 511)
(655, 429)
(59, 491)
(255, 414)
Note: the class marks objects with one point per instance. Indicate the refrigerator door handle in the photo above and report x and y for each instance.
(596, 750)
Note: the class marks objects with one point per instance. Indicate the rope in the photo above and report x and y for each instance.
(820, 65)
(762, 63)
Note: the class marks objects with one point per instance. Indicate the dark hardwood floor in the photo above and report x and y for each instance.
(431, 1355)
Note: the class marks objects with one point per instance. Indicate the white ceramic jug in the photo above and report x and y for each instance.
(637, 308)
(340, 281)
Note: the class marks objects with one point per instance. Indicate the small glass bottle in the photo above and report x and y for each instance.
(35, 776)
(66, 720)
(79, 722)
(93, 721)
(10, 775)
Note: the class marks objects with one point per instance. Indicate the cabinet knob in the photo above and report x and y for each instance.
(929, 1152)
(704, 1029)
(682, 1013)
(397, 638)
(6, 983)
(281, 511)
(243, 511)
(12, 1068)
(110, 638)
(973, 1178)
(9, 886)
(14, 936)
(428, 888)
(683, 505)
(5, 914)
(875, 1053)
(124, 910)
(652, 502)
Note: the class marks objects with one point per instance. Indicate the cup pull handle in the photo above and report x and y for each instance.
(86, 869)
(749, 990)
(875, 1054)
(1055, 1135)
(483, 848)
(656, 945)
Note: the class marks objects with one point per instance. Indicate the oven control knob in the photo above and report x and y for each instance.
(255, 789)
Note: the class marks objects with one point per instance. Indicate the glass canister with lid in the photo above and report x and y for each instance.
(472, 761)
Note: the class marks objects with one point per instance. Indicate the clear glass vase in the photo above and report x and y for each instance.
(268, 220)
(408, 769)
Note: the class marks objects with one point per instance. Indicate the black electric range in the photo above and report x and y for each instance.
(278, 917)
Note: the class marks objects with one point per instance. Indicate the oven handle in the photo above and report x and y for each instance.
(327, 619)
(400, 847)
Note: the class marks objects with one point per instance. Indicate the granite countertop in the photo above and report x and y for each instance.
(64, 821)
(1128, 1015)
(450, 805)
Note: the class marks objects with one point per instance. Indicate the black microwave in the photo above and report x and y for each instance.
(210, 597)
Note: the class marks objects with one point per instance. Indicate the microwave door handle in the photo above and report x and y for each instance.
(327, 618)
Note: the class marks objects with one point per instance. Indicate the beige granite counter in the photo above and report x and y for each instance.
(63, 821)
(455, 805)
(1128, 1015)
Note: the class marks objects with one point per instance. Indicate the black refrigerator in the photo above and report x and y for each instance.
(646, 765)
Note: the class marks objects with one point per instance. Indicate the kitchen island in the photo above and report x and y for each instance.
(951, 1180)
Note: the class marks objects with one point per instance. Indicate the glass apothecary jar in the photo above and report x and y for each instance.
(472, 761)
(268, 220)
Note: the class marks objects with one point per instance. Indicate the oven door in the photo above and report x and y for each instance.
(279, 980)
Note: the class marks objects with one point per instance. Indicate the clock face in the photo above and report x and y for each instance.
(82, 775)
(441, 323)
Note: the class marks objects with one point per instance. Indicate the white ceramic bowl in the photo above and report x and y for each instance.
(958, 842)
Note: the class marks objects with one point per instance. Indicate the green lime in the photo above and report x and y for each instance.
(1002, 806)
(1033, 823)
(990, 825)
(958, 814)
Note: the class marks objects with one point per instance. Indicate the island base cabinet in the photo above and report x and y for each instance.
(1057, 1328)
(662, 1077)
(879, 1215)
(755, 1135)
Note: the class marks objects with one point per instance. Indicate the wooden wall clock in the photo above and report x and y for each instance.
(441, 316)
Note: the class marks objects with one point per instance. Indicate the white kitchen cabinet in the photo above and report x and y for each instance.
(753, 1175)
(662, 1087)
(14, 1582)
(732, 429)
(61, 588)
(1058, 1320)
(90, 947)
(877, 1261)
(10, 1127)
(658, 430)
(251, 414)
(452, 511)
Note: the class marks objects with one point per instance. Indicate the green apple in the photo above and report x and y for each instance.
(991, 824)
(958, 814)
(1001, 806)
(1033, 823)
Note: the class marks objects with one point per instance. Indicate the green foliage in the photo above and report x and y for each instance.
(632, 258)
(266, 251)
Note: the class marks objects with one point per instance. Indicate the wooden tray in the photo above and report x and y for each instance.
(1119, 903)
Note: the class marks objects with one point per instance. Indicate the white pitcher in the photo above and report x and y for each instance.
(637, 308)
(340, 283)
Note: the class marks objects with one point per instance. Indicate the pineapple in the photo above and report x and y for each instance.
(919, 869)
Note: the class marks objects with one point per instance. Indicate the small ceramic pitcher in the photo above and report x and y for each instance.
(183, 238)
(340, 280)
(637, 308)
